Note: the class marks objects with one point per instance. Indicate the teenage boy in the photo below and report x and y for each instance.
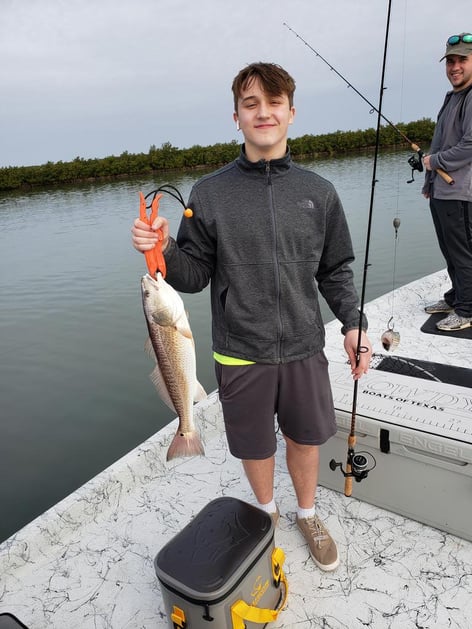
(269, 235)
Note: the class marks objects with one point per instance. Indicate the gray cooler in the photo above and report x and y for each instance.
(223, 571)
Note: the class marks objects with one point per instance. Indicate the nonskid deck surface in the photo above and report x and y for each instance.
(88, 562)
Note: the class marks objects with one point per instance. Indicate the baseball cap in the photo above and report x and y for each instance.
(459, 45)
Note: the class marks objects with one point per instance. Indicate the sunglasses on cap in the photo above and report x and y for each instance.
(456, 39)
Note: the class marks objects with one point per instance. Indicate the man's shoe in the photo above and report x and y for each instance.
(322, 546)
(275, 517)
(440, 306)
(454, 322)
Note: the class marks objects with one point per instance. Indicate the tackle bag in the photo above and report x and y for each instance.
(223, 571)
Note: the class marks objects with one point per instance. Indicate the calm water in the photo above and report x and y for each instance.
(74, 388)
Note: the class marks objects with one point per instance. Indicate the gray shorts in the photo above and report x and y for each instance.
(297, 395)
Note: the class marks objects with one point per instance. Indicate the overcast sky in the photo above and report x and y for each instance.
(93, 78)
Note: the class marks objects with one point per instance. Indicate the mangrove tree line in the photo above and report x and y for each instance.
(168, 157)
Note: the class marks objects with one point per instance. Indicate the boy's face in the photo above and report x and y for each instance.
(264, 121)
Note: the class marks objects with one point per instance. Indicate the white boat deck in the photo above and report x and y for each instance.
(88, 562)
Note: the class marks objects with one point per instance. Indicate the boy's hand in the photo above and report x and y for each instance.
(350, 345)
(145, 237)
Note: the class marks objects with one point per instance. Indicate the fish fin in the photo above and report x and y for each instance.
(148, 348)
(185, 444)
(159, 383)
(184, 331)
(200, 393)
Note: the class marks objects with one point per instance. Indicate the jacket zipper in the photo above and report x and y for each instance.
(275, 257)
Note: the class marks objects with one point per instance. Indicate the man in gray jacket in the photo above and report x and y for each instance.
(451, 205)
(268, 235)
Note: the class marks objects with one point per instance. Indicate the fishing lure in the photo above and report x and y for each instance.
(390, 339)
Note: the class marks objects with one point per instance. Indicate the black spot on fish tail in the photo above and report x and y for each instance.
(185, 444)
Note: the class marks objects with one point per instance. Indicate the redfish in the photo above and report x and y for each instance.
(172, 345)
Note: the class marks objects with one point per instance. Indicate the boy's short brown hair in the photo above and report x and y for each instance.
(273, 79)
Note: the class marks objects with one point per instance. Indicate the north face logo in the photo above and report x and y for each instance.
(305, 204)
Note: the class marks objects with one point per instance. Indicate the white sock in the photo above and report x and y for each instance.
(305, 513)
(269, 507)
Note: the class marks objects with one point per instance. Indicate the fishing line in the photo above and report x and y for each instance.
(391, 339)
(396, 225)
(415, 160)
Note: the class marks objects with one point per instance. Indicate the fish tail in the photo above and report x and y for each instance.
(185, 444)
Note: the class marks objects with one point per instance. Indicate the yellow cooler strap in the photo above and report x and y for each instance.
(178, 618)
(278, 558)
(241, 611)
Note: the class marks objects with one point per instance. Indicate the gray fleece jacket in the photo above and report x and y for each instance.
(451, 149)
(268, 235)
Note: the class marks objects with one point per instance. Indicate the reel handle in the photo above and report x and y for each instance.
(351, 442)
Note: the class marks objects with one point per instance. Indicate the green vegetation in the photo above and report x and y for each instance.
(169, 157)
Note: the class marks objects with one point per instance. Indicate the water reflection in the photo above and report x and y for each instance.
(74, 378)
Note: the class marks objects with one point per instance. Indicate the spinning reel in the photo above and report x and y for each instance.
(360, 464)
(416, 164)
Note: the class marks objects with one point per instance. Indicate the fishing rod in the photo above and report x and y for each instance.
(415, 160)
(357, 464)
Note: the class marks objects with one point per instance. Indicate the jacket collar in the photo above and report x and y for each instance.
(276, 166)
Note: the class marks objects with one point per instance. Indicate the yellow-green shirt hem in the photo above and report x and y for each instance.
(229, 360)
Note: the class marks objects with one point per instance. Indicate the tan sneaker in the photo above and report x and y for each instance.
(322, 546)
